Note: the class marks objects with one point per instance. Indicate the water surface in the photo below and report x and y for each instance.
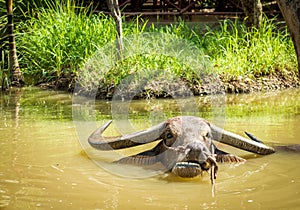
(43, 164)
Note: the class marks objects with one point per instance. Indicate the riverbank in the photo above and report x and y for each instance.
(228, 83)
(276, 81)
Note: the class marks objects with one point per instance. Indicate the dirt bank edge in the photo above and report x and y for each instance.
(229, 83)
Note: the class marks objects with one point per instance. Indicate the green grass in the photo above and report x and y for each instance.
(239, 51)
(56, 41)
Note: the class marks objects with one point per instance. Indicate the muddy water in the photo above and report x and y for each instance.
(44, 163)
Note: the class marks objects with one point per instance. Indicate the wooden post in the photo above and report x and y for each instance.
(253, 11)
(16, 77)
(290, 10)
(115, 11)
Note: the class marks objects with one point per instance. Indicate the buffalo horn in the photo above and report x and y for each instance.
(100, 142)
(240, 142)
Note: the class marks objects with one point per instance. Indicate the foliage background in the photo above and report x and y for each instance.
(55, 38)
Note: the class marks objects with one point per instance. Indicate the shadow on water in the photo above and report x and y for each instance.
(43, 164)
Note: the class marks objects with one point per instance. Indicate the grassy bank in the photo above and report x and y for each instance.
(54, 44)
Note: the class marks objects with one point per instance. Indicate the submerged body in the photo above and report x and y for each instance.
(186, 145)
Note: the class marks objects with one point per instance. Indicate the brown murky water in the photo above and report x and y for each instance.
(43, 165)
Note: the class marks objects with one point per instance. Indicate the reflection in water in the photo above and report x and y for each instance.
(43, 165)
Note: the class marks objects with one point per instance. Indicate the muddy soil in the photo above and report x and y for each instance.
(162, 89)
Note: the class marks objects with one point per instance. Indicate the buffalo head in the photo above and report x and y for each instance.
(186, 145)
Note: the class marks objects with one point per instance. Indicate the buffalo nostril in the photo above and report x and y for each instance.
(205, 165)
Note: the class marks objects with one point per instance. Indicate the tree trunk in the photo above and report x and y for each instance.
(115, 11)
(290, 10)
(253, 10)
(16, 77)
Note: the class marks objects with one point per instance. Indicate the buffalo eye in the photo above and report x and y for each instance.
(169, 139)
(169, 135)
(207, 135)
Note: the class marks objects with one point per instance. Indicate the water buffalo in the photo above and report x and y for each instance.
(186, 145)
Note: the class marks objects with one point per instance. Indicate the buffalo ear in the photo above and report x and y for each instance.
(148, 157)
(253, 137)
(224, 157)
